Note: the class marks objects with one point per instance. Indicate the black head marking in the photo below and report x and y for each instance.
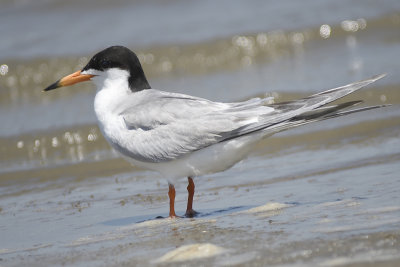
(122, 58)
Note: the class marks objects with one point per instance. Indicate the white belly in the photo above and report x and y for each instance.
(215, 158)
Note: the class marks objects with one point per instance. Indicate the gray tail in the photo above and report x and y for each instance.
(313, 108)
(324, 113)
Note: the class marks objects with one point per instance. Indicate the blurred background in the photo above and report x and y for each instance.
(58, 175)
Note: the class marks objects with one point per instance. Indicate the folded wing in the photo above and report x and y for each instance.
(166, 126)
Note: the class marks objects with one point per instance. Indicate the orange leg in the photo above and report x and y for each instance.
(171, 195)
(189, 210)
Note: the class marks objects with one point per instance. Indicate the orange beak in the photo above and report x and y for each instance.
(71, 79)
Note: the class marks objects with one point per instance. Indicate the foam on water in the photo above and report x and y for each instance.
(191, 252)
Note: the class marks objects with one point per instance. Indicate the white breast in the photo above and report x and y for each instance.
(112, 89)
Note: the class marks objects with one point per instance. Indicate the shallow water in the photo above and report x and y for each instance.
(326, 194)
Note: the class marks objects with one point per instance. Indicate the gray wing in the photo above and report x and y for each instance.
(165, 126)
(285, 111)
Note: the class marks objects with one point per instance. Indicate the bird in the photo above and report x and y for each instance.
(180, 135)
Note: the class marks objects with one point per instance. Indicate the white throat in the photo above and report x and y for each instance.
(112, 79)
(112, 89)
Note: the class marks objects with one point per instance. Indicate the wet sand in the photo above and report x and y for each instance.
(327, 194)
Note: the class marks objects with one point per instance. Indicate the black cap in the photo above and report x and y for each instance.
(122, 58)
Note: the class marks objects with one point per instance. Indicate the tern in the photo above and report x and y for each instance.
(181, 135)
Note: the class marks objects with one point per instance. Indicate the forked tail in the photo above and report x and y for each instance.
(314, 108)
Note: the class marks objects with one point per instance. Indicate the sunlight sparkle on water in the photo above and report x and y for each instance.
(325, 31)
(353, 25)
(3, 69)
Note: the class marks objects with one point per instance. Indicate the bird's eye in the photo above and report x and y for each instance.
(105, 63)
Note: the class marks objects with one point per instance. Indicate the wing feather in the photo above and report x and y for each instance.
(164, 126)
